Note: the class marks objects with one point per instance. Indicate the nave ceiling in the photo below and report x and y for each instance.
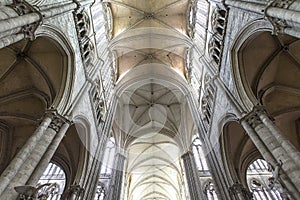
(149, 121)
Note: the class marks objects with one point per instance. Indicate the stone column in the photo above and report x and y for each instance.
(116, 181)
(282, 140)
(192, 176)
(27, 20)
(23, 173)
(271, 149)
(38, 172)
(14, 166)
(17, 22)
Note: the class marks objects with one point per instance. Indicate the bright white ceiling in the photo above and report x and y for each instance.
(153, 123)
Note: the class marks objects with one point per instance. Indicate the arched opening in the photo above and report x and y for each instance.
(54, 174)
(154, 168)
(72, 155)
(205, 176)
(258, 179)
(107, 165)
(151, 126)
(270, 69)
(239, 151)
(32, 79)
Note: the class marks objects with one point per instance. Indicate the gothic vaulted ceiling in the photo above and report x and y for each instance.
(148, 124)
(276, 87)
(149, 31)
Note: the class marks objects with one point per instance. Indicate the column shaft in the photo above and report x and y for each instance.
(192, 176)
(24, 172)
(23, 154)
(272, 151)
(258, 143)
(38, 172)
(14, 25)
(11, 39)
(16, 22)
(282, 140)
(116, 182)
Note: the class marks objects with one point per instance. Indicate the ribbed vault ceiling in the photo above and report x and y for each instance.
(153, 121)
(271, 67)
(148, 18)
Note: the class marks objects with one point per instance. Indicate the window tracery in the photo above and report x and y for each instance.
(208, 187)
(98, 99)
(106, 169)
(82, 21)
(208, 101)
(219, 22)
(54, 174)
(209, 191)
(258, 178)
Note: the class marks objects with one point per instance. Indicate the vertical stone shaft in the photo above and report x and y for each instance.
(14, 166)
(28, 166)
(38, 172)
(192, 176)
(272, 151)
(16, 22)
(4, 42)
(115, 189)
(284, 142)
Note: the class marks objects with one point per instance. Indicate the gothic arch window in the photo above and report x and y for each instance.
(203, 170)
(108, 159)
(54, 174)
(106, 169)
(258, 177)
(209, 191)
(199, 156)
(100, 192)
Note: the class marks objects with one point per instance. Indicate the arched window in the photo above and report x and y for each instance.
(54, 174)
(258, 177)
(106, 169)
(210, 192)
(199, 156)
(100, 192)
(204, 173)
(108, 159)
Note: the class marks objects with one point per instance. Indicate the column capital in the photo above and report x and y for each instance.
(253, 117)
(75, 190)
(22, 7)
(281, 3)
(279, 25)
(57, 119)
(187, 153)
